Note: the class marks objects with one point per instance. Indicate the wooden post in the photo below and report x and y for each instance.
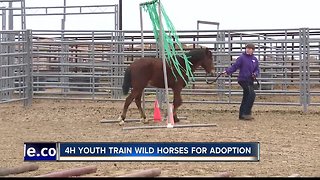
(72, 172)
(294, 175)
(222, 174)
(20, 169)
(144, 173)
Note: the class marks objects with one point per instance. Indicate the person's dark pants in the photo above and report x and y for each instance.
(248, 98)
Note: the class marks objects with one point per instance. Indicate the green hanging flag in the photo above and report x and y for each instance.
(169, 46)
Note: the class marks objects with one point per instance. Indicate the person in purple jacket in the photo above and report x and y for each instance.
(249, 70)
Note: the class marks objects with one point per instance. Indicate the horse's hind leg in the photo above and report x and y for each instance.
(127, 103)
(177, 101)
(138, 103)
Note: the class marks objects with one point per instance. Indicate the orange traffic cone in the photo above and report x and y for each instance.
(156, 112)
(170, 120)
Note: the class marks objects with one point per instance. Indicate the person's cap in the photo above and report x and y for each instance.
(251, 46)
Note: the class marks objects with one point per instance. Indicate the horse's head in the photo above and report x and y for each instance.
(207, 61)
(203, 58)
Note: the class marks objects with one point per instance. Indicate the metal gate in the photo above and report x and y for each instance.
(16, 66)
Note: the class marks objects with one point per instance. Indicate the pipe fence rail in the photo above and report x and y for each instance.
(90, 64)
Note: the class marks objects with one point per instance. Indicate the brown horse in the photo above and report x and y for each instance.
(149, 71)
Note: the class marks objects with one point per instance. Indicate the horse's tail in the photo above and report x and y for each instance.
(126, 81)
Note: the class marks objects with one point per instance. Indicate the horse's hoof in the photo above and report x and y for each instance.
(121, 123)
(144, 121)
(175, 119)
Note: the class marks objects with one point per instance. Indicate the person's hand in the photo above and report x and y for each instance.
(253, 75)
(224, 73)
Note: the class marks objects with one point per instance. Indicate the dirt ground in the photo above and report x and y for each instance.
(289, 140)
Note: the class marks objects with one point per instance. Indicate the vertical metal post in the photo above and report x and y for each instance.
(304, 74)
(116, 69)
(285, 61)
(259, 50)
(28, 68)
(164, 63)
(142, 55)
(38, 69)
(198, 33)
(112, 61)
(2, 58)
(300, 65)
(120, 59)
(112, 50)
(92, 49)
(115, 62)
(19, 60)
(292, 58)
(118, 50)
(116, 20)
(64, 68)
(272, 57)
(160, 93)
(229, 62)
(1, 69)
(307, 69)
(23, 14)
(120, 14)
(11, 49)
(220, 50)
(10, 16)
(4, 19)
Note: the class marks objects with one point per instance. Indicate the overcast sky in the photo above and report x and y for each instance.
(231, 14)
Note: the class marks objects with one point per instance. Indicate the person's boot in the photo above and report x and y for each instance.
(246, 117)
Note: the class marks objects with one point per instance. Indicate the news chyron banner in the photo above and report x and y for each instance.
(141, 151)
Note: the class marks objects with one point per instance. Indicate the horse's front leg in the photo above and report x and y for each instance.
(177, 101)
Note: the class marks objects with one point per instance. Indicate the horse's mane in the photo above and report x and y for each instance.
(196, 54)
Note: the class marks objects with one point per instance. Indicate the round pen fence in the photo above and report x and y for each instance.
(90, 64)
